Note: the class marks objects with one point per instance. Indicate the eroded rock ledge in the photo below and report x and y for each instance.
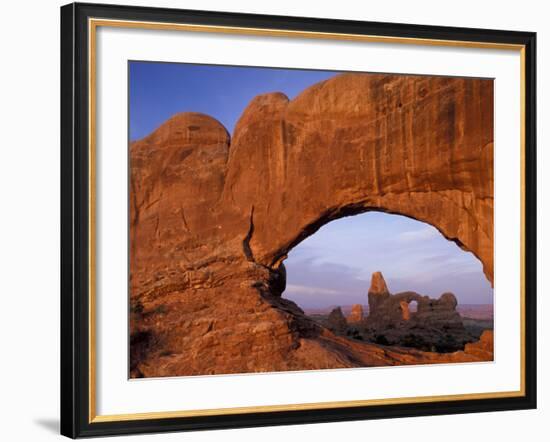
(212, 218)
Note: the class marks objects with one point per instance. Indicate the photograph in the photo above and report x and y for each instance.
(274, 221)
(285, 219)
(281, 220)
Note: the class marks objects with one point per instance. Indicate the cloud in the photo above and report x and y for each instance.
(309, 290)
(317, 284)
(422, 234)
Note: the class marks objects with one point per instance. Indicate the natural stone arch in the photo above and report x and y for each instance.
(212, 218)
(421, 147)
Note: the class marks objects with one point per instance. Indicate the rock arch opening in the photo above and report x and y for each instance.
(338, 275)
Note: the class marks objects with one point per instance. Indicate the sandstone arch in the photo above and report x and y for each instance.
(212, 218)
(421, 147)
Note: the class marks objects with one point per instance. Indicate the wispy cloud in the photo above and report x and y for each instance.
(309, 290)
(422, 234)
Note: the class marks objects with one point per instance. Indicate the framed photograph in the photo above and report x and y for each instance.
(274, 220)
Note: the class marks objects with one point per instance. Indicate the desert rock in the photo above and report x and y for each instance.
(436, 325)
(212, 217)
(356, 314)
(483, 348)
(336, 321)
(378, 291)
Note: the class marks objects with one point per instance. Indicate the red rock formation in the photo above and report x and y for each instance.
(211, 220)
(417, 146)
(356, 314)
(378, 291)
(435, 325)
(482, 349)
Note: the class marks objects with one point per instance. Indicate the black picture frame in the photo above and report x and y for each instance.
(75, 219)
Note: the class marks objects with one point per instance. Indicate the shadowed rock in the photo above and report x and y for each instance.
(336, 321)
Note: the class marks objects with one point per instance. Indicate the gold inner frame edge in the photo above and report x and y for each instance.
(93, 24)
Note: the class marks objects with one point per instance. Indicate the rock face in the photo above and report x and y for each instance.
(436, 325)
(484, 348)
(356, 314)
(212, 218)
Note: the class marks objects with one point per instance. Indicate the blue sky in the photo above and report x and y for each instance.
(160, 90)
(333, 266)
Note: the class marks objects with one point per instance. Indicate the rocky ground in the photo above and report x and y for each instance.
(475, 327)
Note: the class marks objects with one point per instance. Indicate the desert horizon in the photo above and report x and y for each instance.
(473, 311)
